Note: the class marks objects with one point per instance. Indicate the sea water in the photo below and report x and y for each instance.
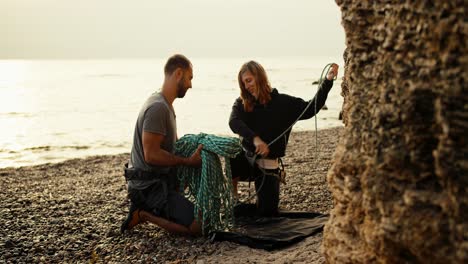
(53, 110)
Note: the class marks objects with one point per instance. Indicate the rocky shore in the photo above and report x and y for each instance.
(71, 212)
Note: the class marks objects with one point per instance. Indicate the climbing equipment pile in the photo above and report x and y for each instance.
(208, 186)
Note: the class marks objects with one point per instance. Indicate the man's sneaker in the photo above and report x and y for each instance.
(133, 219)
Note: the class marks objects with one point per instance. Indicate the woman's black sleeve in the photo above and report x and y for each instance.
(317, 102)
(237, 122)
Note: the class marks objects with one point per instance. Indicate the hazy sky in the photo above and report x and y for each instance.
(155, 28)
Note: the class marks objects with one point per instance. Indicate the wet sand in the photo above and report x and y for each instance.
(72, 211)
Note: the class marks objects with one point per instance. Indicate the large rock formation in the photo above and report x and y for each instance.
(400, 175)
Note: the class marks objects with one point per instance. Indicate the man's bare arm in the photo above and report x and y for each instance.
(155, 155)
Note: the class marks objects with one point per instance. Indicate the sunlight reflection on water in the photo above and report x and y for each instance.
(56, 110)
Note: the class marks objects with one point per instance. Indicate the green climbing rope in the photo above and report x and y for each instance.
(210, 188)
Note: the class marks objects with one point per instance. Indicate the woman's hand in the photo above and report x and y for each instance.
(261, 148)
(333, 72)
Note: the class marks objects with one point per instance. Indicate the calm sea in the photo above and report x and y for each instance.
(52, 110)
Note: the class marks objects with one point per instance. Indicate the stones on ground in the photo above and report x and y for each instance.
(57, 214)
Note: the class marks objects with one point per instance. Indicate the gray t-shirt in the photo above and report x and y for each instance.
(156, 116)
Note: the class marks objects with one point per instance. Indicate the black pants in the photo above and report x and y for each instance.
(267, 185)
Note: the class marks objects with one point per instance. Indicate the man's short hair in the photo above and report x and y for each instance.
(176, 61)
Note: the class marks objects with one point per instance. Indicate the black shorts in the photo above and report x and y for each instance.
(179, 209)
(242, 169)
(172, 205)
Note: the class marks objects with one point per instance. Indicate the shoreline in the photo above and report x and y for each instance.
(72, 211)
(86, 156)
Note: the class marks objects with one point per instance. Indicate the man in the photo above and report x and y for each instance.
(152, 183)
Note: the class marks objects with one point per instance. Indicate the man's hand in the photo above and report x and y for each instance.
(195, 160)
(333, 72)
(261, 148)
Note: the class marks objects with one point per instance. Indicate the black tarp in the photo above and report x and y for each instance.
(270, 233)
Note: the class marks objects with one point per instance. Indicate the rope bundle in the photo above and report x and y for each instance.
(209, 186)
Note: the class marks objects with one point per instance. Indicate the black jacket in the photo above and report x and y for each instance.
(269, 121)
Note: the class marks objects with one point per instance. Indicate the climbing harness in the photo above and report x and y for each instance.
(208, 186)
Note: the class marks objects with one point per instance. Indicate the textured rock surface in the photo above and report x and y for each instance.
(345, 88)
(400, 174)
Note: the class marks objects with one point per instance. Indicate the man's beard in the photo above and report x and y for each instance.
(181, 89)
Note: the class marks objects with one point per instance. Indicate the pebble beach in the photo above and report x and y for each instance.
(70, 212)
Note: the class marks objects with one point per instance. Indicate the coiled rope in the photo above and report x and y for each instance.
(208, 186)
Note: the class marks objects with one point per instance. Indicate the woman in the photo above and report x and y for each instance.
(259, 116)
